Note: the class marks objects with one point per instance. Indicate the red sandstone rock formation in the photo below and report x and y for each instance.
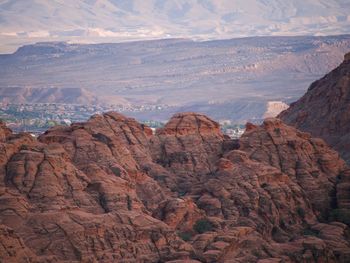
(307, 161)
(80, 197)
(324, 110)
(107, 190)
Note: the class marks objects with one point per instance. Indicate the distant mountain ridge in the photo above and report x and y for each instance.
(18, 95)
(219, 78)
(119, 20)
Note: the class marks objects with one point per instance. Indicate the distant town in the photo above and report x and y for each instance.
(37, 118)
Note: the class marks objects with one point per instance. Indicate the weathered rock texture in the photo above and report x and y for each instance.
(309, 162)
(108, 190)
(324, 110)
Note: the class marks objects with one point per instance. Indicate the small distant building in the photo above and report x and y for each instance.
(225, 122)
(67, 121)
(153, 130)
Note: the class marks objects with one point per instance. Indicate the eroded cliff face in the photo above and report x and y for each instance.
(78, 195)
(108, 190)
(324, 110)
(308, 161)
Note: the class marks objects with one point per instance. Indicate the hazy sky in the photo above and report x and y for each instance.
(28, 21)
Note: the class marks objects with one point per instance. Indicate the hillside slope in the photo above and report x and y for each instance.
(20, 95)
(324, 110)
(115, 20)
(225, 79)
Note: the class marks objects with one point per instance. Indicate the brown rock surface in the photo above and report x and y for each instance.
(107, 190)
(188, 143)
(309, 162)
(80, 197)
(12, 248)
(324, 110)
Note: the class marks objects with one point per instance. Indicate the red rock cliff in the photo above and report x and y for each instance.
(107, 190)
(324, 110)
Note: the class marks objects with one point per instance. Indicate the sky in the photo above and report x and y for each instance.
(99, 21)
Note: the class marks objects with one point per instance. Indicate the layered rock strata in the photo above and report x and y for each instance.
(108, 190)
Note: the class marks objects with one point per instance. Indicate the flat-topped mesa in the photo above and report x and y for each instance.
(189, 123)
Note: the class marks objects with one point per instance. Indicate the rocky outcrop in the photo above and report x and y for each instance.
(187, 146)
(108, 190)
(188, 143)
(324, 110)
(80, 196)
(307, 161)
